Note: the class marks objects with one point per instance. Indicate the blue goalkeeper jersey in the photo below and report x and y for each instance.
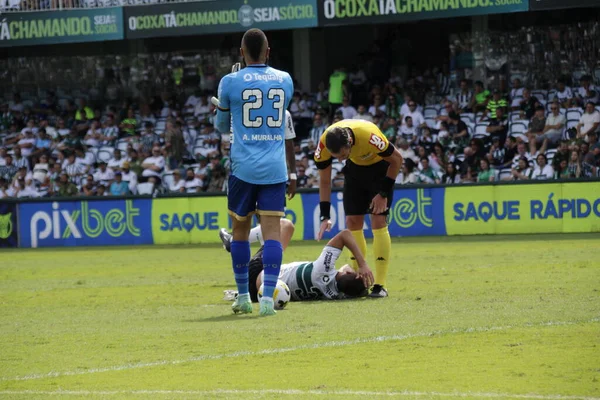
(256, 98)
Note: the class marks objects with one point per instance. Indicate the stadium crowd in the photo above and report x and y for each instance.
(53, 146)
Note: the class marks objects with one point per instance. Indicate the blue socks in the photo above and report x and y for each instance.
(240, 256)
(272, 256)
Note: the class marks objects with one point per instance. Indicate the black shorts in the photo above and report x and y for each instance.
(254, 269)
(361, 184)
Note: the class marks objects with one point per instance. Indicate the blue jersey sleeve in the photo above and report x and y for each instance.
(223, 118)
(289, 90)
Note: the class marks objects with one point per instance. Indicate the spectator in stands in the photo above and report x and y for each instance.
(175, 144)
(587, 92)
(25, 189)
(415, 114)
(486, 174)
(104, 175)
(73, 169)
(377, 108)
(40, 170)
(129, 177)
(94, 136)
(406, 152)
(9, 169)
(6, 117)
(146, 115)
(318, 128)
(177, 185)
(217, 179)
(408, 175)
(498, 126)
(451, 175)
(116, 163)
(392, 109)
(408, 131)
(469, 166)
(516, 92)
(562, 154)
(425, 139)
(129, 124)
(427, 174)
(527, 105)
(554, 127)
(363, 114)
(27, 142)
(493, 105)
(302, 181)
(66, 188)
(542, 171)
(535, 133)
(192, 183)
(83, 113)
(438, 156)
(153, 165)
(192, 101)
(521, 171)
(389, 129)
(564, 94)
(43, 144)
(85, 159)
(5, 189)
(348, 112)
(464, 97)
(336, 89)
(588, 123)
(458, 133)
(89, 189)
(70, 142)
(502, 156)
(480, 100)
(110, 132)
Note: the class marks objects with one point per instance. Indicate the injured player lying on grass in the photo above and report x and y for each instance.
(313, 280)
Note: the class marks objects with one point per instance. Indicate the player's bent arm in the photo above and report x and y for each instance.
(394, 158)
(345, 239)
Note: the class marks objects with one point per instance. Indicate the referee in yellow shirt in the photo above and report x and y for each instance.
(372, 165)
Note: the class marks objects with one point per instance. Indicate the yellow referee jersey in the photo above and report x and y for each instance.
(369, 144)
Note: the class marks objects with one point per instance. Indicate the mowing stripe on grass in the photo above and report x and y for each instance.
(341, 343)
(296, 392)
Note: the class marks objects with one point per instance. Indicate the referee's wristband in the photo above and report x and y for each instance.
(387, 186)
(325, 210)
(293, 177)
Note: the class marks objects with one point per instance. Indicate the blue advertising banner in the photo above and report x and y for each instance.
(85, 223)
(8, 225)
(414, 212)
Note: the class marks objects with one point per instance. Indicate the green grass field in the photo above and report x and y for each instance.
(488, 317)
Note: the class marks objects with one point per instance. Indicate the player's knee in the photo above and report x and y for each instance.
(287, 225)
(355, 222)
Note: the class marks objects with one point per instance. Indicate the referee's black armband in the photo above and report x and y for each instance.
(387, 152)
(323, 164)
(387, 186)
(325, 210)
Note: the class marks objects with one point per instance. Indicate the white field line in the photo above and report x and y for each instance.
(296, 392)
(238, 354)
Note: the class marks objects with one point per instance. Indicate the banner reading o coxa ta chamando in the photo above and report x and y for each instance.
(66, 26)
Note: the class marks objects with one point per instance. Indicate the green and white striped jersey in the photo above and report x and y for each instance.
(313, 280)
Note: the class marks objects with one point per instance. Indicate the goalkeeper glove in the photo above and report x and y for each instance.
(234, 68)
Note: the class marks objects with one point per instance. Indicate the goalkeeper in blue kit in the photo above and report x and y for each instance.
(251, 104)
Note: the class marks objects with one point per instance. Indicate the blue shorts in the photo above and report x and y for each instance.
(245, 199)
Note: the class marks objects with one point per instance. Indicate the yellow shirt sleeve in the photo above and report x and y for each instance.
(322, 155)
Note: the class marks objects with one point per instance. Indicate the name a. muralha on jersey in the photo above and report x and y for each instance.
(263, 137)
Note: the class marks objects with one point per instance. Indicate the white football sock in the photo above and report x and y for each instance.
(256, 235)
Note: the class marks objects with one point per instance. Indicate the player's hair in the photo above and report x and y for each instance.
(253, 41)
(350, 286)
(337, 137)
